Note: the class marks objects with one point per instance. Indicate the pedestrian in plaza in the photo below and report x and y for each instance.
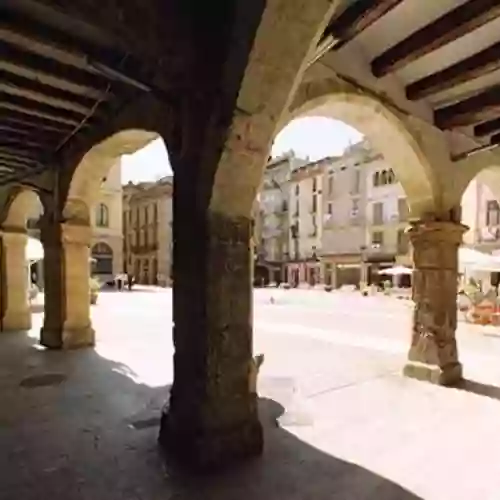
(129, 281)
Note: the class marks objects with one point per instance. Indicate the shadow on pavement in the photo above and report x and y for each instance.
(92, 435)
(480, 389)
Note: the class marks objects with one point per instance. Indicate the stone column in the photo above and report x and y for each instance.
(211, 419)
(67, 321)
(433, 354)
(15, 276)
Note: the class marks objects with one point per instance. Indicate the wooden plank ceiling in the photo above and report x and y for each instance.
(54, 86)
(480, 111)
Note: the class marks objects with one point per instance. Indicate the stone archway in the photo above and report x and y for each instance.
(387, 130)
(94, 168)
(23, 205)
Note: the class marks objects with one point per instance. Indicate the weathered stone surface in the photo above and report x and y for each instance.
(212, 419)
(433, 354)
(16, 314)
(67, 322)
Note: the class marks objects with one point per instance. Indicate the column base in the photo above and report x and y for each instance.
(67, 338)
(214, 449)
(16, 321)
(448, 375)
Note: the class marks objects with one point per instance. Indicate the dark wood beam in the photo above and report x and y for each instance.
(356, 18)
(12, 166)
(91, 56)
(44, 99)
(473, 67)
(470, 111)
(487, 128)
(20, 160)
(24, 145)
(27, 85)
(495, 139)
(41, 110)
(75, 78)
(29, 121)
(36, 140)
(27, 132)
(447, 28)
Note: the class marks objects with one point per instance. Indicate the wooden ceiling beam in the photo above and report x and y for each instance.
(27, 85)
(17, 118)
(39, 110)
(94, 58)
(450, 27)
(356, 18)
(473, 67)
(487, 128)
(8, 154)
(495, 139)
(469, 111)
(27, 132)
(45, 65)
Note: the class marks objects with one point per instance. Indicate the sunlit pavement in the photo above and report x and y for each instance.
(352, 426)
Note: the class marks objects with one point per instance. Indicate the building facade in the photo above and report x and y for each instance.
(273, 250)
(344, 198)
(306, 223)
(386, 214)
(107, 227)
(147, 231)
(481, 213)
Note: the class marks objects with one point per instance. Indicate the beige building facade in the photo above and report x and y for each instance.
(306, 223)
(344, 198)
(147, 231)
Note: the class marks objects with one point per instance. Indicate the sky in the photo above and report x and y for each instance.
(313, 137)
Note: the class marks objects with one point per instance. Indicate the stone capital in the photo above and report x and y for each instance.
(436, 232)
(76, 234)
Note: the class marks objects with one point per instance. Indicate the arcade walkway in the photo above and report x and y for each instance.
(83, 425)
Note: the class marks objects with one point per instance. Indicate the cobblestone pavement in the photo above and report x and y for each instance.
(83, 425)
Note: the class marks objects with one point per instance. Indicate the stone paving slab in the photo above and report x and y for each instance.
(355, 429)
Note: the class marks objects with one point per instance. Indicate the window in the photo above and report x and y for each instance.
(383, 178)
(391, 177)
(402, 210)
(329, 208)
(403, 242)
(376, 179)
(357, 181)
(377, 238)
(330, 184)
(315, 184)
(492, 213)
(297, 189)
(297, 208)
(102, 215)
(315, 204)
(378, 213)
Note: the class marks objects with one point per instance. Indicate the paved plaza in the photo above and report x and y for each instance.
(83, 425)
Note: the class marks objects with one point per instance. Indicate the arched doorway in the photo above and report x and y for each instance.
(102, 267)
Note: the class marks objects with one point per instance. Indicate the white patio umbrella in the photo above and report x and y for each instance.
(396, 271)
(34, 250)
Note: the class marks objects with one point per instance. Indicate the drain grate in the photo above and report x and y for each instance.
(145, 423)
(45, 380)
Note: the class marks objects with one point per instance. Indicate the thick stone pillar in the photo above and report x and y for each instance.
(211, 419)
(15, 276)
(67, 321)
(433, 354)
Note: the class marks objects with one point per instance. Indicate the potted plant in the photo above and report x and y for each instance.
(328, 288)
(95, 286)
